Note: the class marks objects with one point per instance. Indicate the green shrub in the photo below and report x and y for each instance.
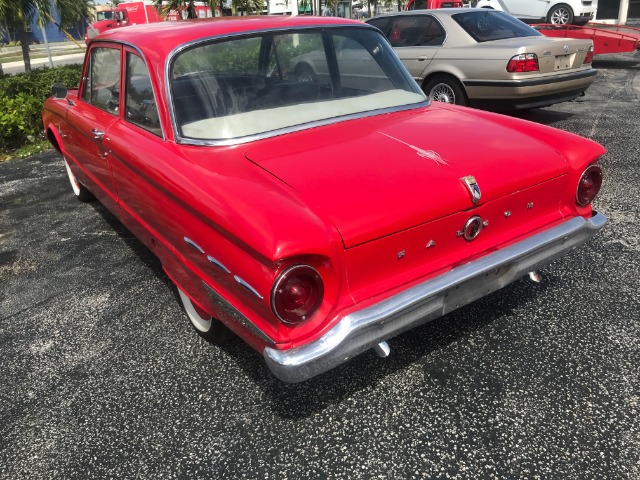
(18, 117)
(21, 100)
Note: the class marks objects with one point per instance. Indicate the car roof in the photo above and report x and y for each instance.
(435, 11)
(162, 37)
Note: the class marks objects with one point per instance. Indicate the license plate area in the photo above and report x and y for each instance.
(563, 62)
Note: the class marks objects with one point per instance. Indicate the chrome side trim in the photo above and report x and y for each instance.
(235, 315)
(247, 287)
(218, 264)
(363, 329)
(193, 244)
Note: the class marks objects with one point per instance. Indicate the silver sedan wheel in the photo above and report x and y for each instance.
(442, 92)
(560, 16)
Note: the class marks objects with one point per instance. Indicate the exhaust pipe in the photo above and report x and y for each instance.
(382, 349)
(535, 277)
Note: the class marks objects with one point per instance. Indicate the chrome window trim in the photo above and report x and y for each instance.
(144, 59)
(296, 128)
(153, 91)
(282, 131)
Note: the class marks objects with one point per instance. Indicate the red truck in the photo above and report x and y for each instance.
(135, 13)
(429, 4)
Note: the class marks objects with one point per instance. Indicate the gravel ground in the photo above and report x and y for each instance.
(101, 376)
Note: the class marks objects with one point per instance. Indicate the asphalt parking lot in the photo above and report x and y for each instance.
(102, 376)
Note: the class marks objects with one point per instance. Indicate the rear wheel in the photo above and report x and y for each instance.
(446, 89)
(79, 190)
(208, 327)
(560, 15)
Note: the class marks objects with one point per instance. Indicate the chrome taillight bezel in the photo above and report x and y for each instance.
(588, 171)
(286, 275)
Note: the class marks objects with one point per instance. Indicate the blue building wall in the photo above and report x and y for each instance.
(54, 34)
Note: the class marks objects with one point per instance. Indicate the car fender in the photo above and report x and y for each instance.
(438, 69)
(493, 4)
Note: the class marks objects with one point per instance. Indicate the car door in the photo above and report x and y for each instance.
(416, 40)
(138, 154)
(527, 8)
(89, 119)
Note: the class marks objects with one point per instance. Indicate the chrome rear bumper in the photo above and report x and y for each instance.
(363, 329)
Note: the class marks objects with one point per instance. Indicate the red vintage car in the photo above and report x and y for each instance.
(315, 215)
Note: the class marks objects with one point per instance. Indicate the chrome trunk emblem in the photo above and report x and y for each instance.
(472, 228)
(566, 48)
(473, 187)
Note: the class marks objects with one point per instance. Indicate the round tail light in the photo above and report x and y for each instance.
(589, 185)
(297, 294)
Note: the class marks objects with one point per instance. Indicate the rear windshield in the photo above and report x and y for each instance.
(487, 25)
(251, 85)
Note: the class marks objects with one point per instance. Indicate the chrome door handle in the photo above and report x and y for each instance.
(422, 58)
(97, 134)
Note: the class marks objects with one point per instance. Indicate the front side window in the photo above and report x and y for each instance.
(140, 104)
(102, 85)
(245, 86)
(488, 25)
(108, 15)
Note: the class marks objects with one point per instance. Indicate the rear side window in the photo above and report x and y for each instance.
(102, 85)
(418, 31)
(140, 104)
(488, 25)
(381, 23)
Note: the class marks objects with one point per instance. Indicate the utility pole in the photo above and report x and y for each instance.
(623, 12)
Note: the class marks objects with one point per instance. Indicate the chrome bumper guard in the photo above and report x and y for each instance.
(363, 329)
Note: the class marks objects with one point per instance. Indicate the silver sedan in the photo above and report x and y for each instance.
(487, 58)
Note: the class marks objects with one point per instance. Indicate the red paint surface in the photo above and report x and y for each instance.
(606, 38)
(345, 198)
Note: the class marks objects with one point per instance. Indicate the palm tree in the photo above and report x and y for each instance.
(187, 5)
(21, 13)
(164, 7)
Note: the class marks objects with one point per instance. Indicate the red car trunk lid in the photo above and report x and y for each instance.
(377, 177)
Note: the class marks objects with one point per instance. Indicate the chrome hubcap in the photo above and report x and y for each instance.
(442, 93)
